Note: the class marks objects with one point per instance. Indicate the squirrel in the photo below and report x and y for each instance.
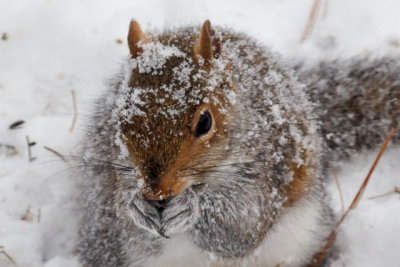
(208, 150)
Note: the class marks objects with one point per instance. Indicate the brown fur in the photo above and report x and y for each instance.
(302, 181)
(171, 159)
(176, 172)
(298, 187)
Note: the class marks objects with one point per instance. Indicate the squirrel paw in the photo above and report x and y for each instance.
(180, 213)
(145, 215)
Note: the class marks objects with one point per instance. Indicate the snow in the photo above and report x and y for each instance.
(368, 235)
(154, 57)
(58, 46)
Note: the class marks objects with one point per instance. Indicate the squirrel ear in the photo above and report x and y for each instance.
(134, 36)
(207, 46)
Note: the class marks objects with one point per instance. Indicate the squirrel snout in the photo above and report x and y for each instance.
(162, 185)
(156, 194)
(167, 187)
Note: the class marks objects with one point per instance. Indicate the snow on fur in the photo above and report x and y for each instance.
(58, 46)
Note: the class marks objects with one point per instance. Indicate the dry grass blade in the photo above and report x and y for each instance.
(325, 9)
(312, 18)
(2, 251)
(340, 191)
(396, 190)
(364, 185)
(58, 154)
(321, 255)
(75, 111)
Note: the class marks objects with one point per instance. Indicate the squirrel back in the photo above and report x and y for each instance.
(206, 135)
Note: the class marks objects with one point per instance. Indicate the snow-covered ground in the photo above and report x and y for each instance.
(51, 47)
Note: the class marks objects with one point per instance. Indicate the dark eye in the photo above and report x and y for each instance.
(204, 124)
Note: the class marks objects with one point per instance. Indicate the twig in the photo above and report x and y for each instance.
(4, 36)
(9, 150)
(321, 255)
(58, 154)
(16, 125)
(71, 129)
(340, 190)
(396, 190)
(2, 251)
(28, 216)
(30, 144)
(311, 20)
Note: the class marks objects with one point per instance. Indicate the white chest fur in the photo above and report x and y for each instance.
(291, 242)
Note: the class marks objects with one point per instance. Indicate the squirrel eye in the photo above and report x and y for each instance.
(204, 124)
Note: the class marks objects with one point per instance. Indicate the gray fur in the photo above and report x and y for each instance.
(242, 196)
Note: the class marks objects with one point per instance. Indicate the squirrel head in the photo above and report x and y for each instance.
(176, 108)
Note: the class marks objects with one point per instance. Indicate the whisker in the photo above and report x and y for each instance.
(99, 161)
(224, 165)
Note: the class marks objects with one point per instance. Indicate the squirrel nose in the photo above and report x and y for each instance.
(159, 204)
(156, 195)
(153, 173)
(165, 188)
(160, 182)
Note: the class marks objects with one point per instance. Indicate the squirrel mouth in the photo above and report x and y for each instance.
(168, 216)
(159, 204)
